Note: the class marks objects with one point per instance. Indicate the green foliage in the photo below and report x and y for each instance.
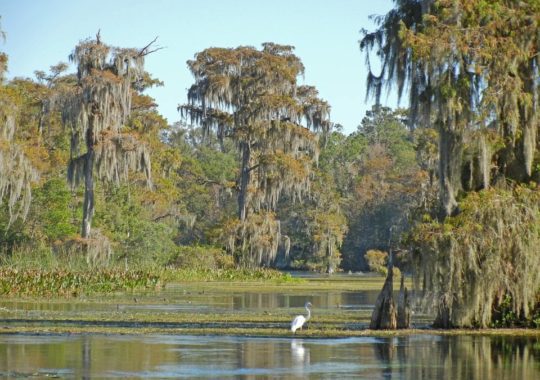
(340, 156)
(240, 274)
(52, 208)
(48, 283)
(384, 185)
(315, 228)
(378, 262)
(200, 258)
(505, 316)
(138, 237)
(384, 126)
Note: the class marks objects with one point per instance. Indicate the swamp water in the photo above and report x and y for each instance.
(221, 357)
(173, 355)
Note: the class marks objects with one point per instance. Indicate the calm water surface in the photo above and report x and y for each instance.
(179, 298)
(225, 357)
(222, 357)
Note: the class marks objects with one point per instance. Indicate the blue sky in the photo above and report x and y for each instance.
(325, 34)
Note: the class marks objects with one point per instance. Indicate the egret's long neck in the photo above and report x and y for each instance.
(308, 313)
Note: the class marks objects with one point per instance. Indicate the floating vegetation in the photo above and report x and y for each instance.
(241, 274)
(64, 283)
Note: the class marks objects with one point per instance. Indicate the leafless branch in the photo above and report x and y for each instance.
(146, 50)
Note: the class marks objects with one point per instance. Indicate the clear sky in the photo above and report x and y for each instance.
(41, 33)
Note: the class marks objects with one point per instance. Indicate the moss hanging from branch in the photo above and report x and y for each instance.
(471, 70)
(470, 262)
(97, 114)
(259, 237)
(16, 172)
(464, 71)
(252, 97)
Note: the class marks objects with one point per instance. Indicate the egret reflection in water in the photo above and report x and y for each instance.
(299, 353)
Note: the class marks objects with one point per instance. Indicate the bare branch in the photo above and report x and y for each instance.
(146, 50)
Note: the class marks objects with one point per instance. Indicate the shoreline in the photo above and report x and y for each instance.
(278, 330)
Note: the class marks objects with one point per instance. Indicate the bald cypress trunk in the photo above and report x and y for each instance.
(403, 307)
(244, 181)
(384, 313)
(450, 153)
(88, 207)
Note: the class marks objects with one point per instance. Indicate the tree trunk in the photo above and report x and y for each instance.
(88, 208)
(403, 307)
(384, 313)
(41, 119)
(244, 181)
(450, 153)
(443, 318)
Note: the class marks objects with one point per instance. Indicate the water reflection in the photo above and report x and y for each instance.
(174, 299)
(158, 356)
(299, 354)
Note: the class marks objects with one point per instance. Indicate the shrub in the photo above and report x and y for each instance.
(378, 262)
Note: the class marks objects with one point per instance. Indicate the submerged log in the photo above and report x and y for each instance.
(403, 307)
(384, 313)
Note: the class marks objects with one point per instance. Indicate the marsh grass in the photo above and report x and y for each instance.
(227, 275)
(55, 281)
(58, 282)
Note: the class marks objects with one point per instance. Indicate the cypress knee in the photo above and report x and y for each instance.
(384, 313)
(403, 307)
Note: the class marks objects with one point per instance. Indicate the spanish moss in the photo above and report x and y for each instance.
(97, 114)
(252, 97)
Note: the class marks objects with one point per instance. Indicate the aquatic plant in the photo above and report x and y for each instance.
(67, 283)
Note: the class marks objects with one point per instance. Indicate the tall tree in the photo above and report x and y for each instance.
(96, 114)
(471, 69)
(252, 96)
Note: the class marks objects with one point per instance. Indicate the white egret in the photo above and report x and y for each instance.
(299, 320)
